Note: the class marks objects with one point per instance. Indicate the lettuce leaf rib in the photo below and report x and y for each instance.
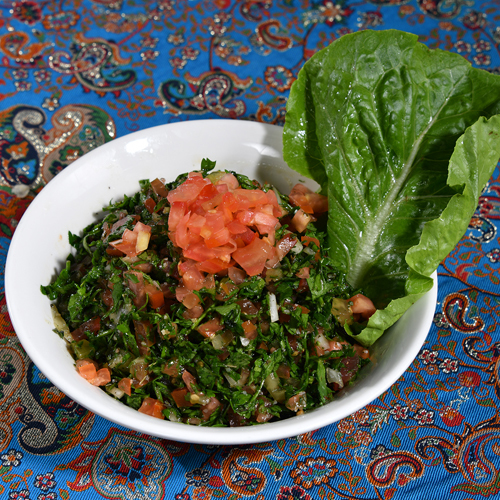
(402, 139)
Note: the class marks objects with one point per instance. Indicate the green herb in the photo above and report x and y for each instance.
(160, 350)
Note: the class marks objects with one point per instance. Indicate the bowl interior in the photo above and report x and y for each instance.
(74, 199)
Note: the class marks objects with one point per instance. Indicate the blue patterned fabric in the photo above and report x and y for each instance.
(75, 75)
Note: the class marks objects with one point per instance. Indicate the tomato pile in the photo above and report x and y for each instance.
(211, 301)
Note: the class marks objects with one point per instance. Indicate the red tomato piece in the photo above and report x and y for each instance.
(309, 201)
(300, 220)
(236, 227)
(189, 190)
(210, 327)
(214, 266)
(139, 226)
(229, 180)
(285, 245)
(86, 369)
(159, 188)
(103, 377)
(177, 211)
(125, 384)
(179, 396)
(135, 281)
(150, 205)
(236, 275)
(253, 257)
(209, 408)
(189, 380)
(196, 222)
(250, 330)
(219, 238)
(155, 296)
(181, 232)
(144, 336)
(92, 325)
(152, 407)
(190, 300)
(362, 306)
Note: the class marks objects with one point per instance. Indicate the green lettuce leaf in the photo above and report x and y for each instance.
(402, 139)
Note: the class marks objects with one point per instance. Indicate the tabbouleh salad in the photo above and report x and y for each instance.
(210, 300)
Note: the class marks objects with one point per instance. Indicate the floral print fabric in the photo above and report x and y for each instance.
(76, 75)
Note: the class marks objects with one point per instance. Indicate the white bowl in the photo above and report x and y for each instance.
(75, 197)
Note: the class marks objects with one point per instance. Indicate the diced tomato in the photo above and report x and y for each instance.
(193, 313)
(236, 275)
(362, 307)
(192, 278)
(309, 201)
(189, 380)
(300, 220)
(150, 205)
(92, 325)
(209, 408)
(190, 300)
(125, 384)
(178, 210)
(135, 281)
(103, 377)
(229, 180)
(114, 252)
(297, 402)
(250, 330)
(159, 188)
(196, 223)
(144, 336)
(181, 232)
(283, 371)
(236, 227)
(214, 265)
(209, 282)
(87, 369)
(219, 238)
(189, 190)
(152, 407)
(179, 397)
(155, 296)
(285, 244)
(361, 351)
(253, 257)
(171, 367)
(200, 252)
(127, 243)
(210, 327)
(140, 227)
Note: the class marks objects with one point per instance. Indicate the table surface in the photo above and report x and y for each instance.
(78, 74)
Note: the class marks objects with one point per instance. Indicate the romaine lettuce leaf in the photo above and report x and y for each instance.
(402, 139)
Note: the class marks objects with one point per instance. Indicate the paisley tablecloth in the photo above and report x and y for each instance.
(75, 75)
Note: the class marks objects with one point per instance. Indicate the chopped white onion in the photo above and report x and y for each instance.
(309, 251)
(221, 340)
(173, 417)
(272, 384)
(334, 376)
(232, 382)
(273, 308)
(116, 392)
(297, 248)
(60, 324)
(244, 341)
(321, 341)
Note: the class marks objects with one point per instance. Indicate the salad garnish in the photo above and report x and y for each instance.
(402, 139)
(211, 300)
